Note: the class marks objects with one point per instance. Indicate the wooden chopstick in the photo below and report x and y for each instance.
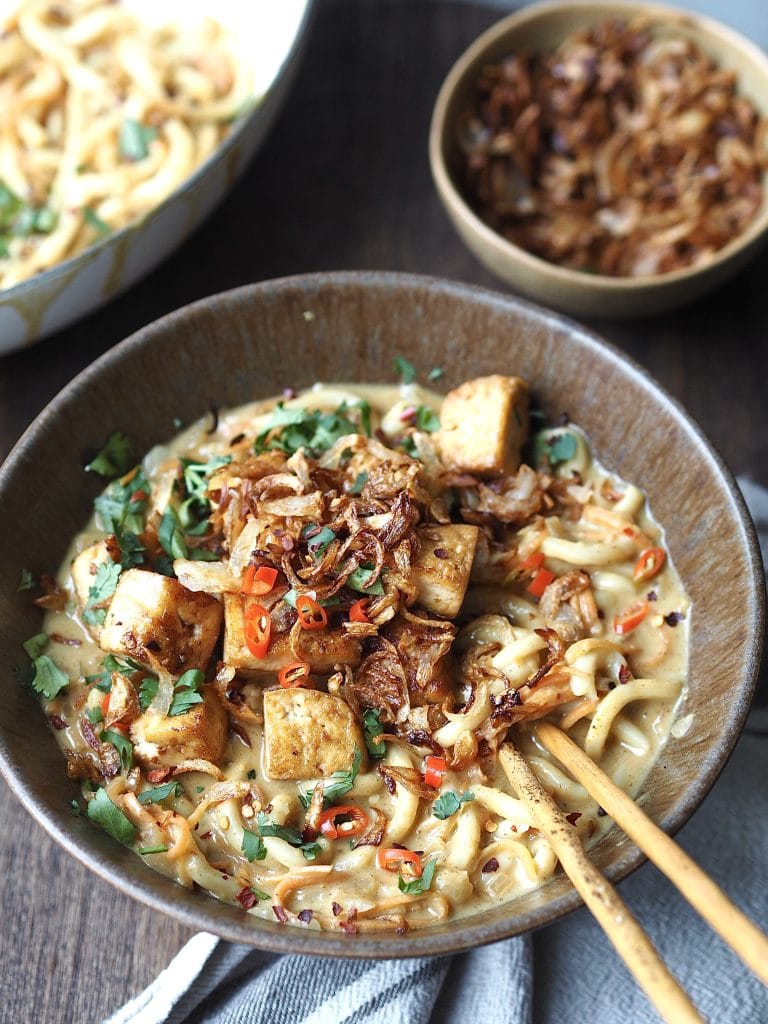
(631, 942)
(704, 895)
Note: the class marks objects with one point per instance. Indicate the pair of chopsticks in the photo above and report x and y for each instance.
(622, 928)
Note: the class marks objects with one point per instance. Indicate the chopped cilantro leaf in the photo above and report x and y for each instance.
(405, 370)
(123, 745)
(253, 846)
(103, 812)
(114, 459)
(360, 481)
(290, 429)
(20, 220)
(135, 138)
(171, 536)
(186, 692)
(93, 220)
(409, 446)
(35, 646)
(131, 549)
(373, 729)
(103, 587)
(103, 679)
(419, 885)
(342, 782)
(75, 808)
(195, 510)
(435, 374)
(27, 581)
(94, 715)
(123, 505)
(146, 850)
(48, 679)
(251, 773)
(160, 793)
(359, 580)
(555, 448)
(427, 420)
(287, 834)
(318, 540)
(448, 803)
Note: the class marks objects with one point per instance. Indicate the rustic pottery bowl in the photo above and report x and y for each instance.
(542, 27)
(35, 308)
(252, 342)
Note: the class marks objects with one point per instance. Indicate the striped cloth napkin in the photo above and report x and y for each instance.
(568, 972)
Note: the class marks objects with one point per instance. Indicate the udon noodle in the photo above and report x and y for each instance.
(101, 117)
(283, 655)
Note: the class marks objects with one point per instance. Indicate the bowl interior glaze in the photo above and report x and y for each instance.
(252, 342)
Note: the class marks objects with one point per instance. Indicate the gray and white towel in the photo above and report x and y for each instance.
(565, 974)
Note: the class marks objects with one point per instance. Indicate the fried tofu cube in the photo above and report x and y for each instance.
(84, 567)
(308, 734)
(157, 621)
(322, 648)
(483, 425)
(199, 734)
(442, 567)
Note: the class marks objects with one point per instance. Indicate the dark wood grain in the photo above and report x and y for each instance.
(342, 183)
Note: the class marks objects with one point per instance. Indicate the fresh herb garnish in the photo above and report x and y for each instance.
(135, 138)
(554, 449)
(253, 846)
(103, 679)
(171, 535)
(195, 510)
(27, 581)
(94, 220)
(160, 793)
(75, 808)
(123, 745)
(20, 220)
(427, 420)
(405, 370)
(318, 539)
(448, 803)
(145, 850)
(421, 884)
(287, 834)
(360, 481)
(373, 729)
(103, 587)
(186, 692)
(114, 459)
(35, 646)
(48, 679)
(342, 782)
(131, 549)
(359, 580)
(409, 446)
(94, 715)
(435, 374)
(251, 773)
(123, 505)
(103, 812)
(290, 429)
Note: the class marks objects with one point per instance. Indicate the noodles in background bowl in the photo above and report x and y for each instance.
(105, 114)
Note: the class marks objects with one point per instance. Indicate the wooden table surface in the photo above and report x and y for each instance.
(343, 182)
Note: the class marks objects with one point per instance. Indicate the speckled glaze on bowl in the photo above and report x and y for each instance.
(35, 308)
(250, 343)
(543, 26)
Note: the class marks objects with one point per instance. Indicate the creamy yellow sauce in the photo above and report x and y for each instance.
(491, 827)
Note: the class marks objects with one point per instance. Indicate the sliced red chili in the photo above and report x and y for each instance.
(258, 630)
(392, 859)
(630, 619)
(295, 674)
(311, 614)
(434, 770)
(355, 824)
(534, 561)
(649, 564)
(359, 610)
(259, 580)
(540, 582)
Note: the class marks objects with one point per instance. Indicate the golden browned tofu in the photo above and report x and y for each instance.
(200, 733)
(156, 620)
(83, 571)
(483, 425)
(308, 734)
(442, 567)
(322, 648)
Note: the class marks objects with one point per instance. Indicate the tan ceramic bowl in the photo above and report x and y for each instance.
(542, 27)
(252, 342)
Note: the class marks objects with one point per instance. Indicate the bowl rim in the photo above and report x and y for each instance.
(240, 127)
(468, 932)
(459, 207)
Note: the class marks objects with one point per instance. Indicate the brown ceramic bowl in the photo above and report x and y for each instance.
(543, 26)
(250, 343)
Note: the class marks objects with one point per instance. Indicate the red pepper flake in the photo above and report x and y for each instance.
(651, 595)
(601, 812)
(350, 925)
(159, 775)
(305, 916)
(70, 641)
(139, 496)
(289, 393)
(236, 440)
(336, 908)
(441, 553)
(57, 722)
(89, 735)
(247, 898)
(408, 414)
(573, 817)
(624, 675)
(490, 866)
(280, 913)
(207, 835)
(390, 784)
